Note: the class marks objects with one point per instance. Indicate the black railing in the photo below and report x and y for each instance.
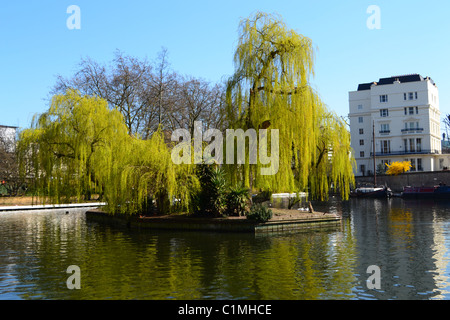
(399, 153)
(411, 130)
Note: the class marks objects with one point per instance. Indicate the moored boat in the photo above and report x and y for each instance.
(371, 192)
(440, 191)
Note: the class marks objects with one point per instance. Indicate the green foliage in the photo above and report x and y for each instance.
(237, 200)
(67, 143)
(216, 198)
(80, 147)
(381, 168)
(218, 191)
(259, 213)
(271, 86)
(211, 198)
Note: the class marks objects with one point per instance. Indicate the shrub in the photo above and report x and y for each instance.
(237, 199)
(398, 167)
(218, 191)
(211, 200)
(259, 213)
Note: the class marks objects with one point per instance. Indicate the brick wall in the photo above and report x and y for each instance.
(415, 179)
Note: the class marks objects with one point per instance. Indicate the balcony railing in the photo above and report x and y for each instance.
(385, 131)
(400, 153)
(412, 130)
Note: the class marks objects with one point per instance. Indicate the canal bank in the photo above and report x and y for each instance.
(51, 206)
(414, 179)
(283, 220)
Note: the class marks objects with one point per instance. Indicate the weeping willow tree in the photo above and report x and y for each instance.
(80, 147)
(270, 90)
(140, 171)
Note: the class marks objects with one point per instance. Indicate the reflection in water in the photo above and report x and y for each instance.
(408, 240)
(37, 248)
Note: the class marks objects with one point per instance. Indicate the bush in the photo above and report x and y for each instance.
(237, 199)
(259, 213)
(211, 200)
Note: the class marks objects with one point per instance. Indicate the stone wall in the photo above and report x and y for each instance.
(415, 179)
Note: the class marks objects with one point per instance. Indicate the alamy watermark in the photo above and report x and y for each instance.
(74, 20)
(74, 280)
(235, 142)
(374, 280)
(374, 20)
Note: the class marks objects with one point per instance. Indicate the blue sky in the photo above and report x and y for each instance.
(200, 36)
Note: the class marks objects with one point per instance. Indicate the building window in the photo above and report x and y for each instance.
(384, 128)
(411, 110)
(360, 106)
(419, 145)
(360, 119)
(384, 98)
(361, 142)
(411, 126)
(385, 146)
(361, 154)
(361, 131)
(384, 112)
(412, 147)
(417, 110)
(362, 169)
(419, 165)
(413, 164)
(410, 95)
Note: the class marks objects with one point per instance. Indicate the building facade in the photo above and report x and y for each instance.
(396, 119)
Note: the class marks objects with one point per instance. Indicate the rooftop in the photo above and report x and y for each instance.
(402, 79)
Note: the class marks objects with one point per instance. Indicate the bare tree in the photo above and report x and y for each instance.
(161, 95)
(149, 95)
(9, 167)
(123, 84)
(198, 100)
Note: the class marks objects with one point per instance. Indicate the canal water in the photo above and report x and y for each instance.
(409, 241)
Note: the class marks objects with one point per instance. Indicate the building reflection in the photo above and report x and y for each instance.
(408, 241)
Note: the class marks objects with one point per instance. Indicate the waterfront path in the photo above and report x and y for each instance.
(52, 206)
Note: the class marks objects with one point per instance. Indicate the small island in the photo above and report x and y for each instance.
(282, 220)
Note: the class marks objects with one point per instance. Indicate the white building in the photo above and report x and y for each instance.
(402, 113)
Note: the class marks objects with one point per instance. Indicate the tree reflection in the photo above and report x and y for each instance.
(123, 264)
